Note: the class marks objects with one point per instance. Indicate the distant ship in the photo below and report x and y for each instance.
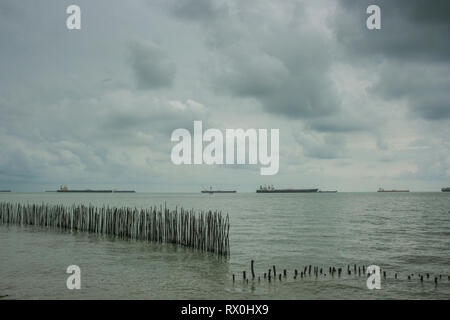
(211, 191)
(5, 190)
(327, 191)
(445, 189)
(382, 190)
(65, 189)
(271, 189)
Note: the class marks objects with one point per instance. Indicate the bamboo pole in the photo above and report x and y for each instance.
(206, 231)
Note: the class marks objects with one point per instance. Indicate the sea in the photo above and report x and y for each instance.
(407, 235)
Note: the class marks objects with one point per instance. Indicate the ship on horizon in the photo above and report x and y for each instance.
(211, 191)
(271, 189)
(445, 189)
(382, 190)
(66, 189)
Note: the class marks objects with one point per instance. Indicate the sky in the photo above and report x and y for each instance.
(357, 109)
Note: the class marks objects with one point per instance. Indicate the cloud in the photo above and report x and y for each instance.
(98, 106)
(152, 67)
(410, 54)
(285, 65)
(424, 86)
(337, 124)
(410, 29)
(197, 9)
(322, 146)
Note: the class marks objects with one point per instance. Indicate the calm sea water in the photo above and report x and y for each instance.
(403, 233)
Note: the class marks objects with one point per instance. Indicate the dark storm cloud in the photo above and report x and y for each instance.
(433, 107)
(151, 65)
(285, 66)
(411, 52)
(94, 107)
(292, 87)
(410, 29)
(425, 86)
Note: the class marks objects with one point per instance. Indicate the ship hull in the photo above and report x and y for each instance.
(393, 191)
(445, 189)
(288, 191)
(85, 191)
(218, 191)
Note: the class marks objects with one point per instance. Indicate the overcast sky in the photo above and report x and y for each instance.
(357, 109)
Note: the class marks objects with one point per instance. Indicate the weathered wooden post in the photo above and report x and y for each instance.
(252, 268)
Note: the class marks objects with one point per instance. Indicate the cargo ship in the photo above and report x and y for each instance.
(66, 189)
(211, 191)
(382, 190)
(445, 189)
(271, 189)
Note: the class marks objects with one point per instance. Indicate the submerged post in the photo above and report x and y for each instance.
(253, 269)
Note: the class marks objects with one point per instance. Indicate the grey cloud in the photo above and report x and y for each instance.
(426, 87)
(142, 113)
(16, 166)
(337, 125)
(433, 107)
(410, 29)
(211, 16)
(93, 107)
(258, 75)
(434, 167)
(284, 68)
(279, 90)
(325, 146)
(410, 55)
(152, 67)
(198, 9)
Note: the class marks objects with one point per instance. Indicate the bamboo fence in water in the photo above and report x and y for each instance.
(204, 231)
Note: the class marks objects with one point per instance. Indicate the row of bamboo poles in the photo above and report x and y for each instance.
(204, 231)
